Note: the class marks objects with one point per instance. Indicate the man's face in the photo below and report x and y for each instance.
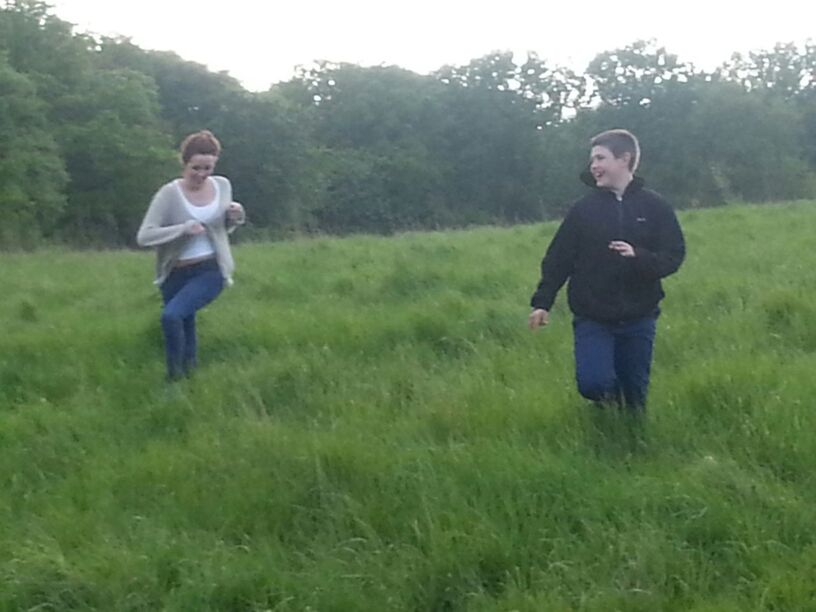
(609, 171)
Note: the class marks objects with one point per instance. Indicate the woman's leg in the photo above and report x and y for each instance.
(185, 292)
(189, 360)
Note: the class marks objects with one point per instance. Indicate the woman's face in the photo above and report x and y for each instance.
(198, 169)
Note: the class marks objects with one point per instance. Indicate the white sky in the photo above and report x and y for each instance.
(260, 42)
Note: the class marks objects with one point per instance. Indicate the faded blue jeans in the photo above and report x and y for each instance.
(185, 291)
(613, 360)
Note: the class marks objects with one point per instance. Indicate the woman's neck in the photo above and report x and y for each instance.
(192, 187)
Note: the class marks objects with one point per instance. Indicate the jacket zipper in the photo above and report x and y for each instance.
(619, 204)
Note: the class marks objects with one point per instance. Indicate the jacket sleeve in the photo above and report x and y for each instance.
(558, 263)
(152, 232)
(670, 253)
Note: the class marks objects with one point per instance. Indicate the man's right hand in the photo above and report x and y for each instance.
(538, 317)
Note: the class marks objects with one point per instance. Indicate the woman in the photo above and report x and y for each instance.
(188, 221)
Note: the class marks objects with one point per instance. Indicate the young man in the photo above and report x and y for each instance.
(614, 246)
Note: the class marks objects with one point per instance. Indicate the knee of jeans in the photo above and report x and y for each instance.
(168, 316)
(595, 389)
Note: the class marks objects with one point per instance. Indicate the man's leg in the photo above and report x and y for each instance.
(595, 361)
(634, 343)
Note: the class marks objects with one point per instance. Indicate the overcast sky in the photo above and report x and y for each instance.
(261, 42)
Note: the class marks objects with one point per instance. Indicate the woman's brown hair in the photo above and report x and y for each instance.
(199, 143)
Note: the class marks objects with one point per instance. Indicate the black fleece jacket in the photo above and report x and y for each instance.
(604, 285)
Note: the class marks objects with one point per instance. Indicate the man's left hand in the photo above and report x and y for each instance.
(623, 248)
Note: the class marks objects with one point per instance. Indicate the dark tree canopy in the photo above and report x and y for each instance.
(90, 127)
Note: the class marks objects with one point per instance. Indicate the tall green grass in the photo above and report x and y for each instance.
(373, 428)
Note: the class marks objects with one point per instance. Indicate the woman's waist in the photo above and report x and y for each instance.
(195, 261)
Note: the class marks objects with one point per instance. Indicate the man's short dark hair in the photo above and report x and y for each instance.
(619, 142)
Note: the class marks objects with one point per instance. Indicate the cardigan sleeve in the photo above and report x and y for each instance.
(152, 232)
(232, 224)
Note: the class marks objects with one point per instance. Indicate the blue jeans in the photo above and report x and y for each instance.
(185, 291)
(613, 360)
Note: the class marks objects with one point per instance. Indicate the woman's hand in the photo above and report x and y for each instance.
(235, 212)
(194, 229)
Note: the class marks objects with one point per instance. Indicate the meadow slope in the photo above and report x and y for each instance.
(374, 428)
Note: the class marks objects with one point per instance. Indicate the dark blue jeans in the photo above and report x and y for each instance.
(613, 360)
(185, 291)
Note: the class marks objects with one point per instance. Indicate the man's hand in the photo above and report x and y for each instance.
(622, 248)
(538, 317)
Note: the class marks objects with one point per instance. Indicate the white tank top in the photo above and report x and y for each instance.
(200, 245)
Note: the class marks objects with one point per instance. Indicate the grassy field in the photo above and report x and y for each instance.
(373, 428)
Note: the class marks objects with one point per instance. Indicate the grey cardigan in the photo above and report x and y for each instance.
(166, 223)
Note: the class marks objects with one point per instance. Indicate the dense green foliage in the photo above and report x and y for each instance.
(89, 126)
(374, 428)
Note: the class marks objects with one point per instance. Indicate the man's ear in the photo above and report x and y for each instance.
(627, 157)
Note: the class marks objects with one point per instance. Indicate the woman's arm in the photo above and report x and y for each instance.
(152, 232)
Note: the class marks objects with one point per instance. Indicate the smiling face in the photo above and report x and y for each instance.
(610, 172)
(197, 169)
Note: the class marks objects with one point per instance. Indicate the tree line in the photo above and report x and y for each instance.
(90, 124)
